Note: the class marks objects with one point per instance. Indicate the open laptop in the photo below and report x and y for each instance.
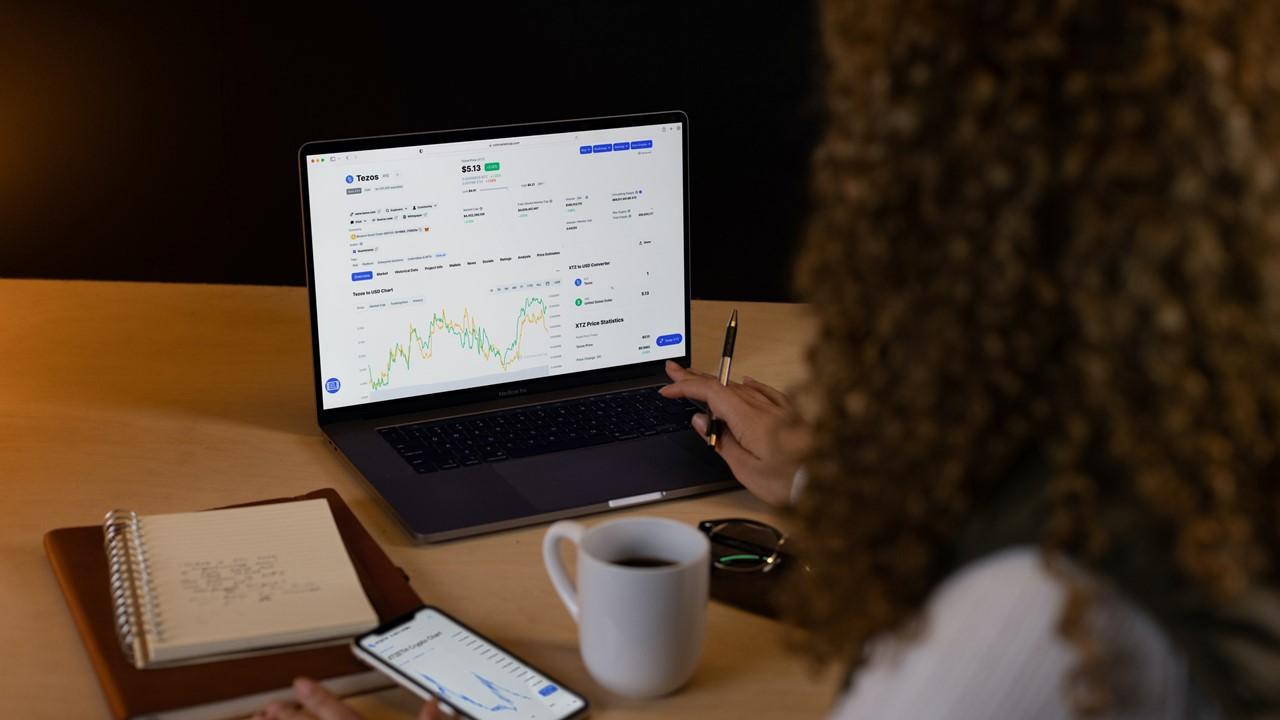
(490, 313)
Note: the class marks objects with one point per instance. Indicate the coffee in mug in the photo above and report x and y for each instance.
(640, 600)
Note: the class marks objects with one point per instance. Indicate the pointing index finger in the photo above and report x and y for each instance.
(678, 372)
(723, 401)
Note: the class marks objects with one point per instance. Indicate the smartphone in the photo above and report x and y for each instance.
(437, 657)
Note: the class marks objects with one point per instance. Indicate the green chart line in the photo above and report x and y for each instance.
(470, 336)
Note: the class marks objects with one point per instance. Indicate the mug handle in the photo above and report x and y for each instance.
(563, 530)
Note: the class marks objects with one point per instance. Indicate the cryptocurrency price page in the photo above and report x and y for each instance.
(449, 266)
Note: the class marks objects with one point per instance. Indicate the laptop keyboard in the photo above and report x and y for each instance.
(538, 429)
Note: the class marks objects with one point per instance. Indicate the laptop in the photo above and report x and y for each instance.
(491, 310)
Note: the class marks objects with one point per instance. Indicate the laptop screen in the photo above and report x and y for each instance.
(446, 266)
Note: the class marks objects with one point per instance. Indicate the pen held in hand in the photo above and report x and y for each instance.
(715, 427)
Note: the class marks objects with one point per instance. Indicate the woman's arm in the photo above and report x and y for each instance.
(763, 443)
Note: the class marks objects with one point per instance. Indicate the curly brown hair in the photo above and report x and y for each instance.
(1043, 228)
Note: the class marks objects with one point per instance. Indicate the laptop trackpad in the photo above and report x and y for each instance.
(596, 475)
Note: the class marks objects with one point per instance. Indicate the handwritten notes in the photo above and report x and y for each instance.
(244, 579)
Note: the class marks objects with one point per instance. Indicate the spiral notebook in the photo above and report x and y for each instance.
(193, 587)
(224, 687)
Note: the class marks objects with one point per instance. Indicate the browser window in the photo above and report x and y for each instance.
(456, 265)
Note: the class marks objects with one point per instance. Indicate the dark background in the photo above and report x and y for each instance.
(161, 145)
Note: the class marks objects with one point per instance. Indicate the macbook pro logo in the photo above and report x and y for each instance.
(513, 391)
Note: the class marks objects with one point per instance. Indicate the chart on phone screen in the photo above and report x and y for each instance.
(449, 266)
(470, 673)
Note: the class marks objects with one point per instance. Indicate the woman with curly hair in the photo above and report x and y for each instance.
(1045, 264)
(1040, 434)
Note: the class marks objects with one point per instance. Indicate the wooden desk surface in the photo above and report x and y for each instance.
(166, 398)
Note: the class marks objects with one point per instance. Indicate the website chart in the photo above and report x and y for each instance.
(448, 266)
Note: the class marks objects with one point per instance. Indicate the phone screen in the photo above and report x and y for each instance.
(469, 672)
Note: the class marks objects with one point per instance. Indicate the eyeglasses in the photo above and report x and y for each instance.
(740, 545)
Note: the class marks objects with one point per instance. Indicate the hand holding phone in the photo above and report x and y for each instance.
(437, 657)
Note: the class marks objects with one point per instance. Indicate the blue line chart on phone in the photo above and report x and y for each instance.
(504, 696)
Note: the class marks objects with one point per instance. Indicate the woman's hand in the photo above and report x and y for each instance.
(762, 444)
(316, 703)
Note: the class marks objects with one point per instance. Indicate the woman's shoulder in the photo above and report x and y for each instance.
(988, 647)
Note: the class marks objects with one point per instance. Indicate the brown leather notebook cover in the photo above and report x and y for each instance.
(80, 564)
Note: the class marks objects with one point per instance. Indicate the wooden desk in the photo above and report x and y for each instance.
(166, 398)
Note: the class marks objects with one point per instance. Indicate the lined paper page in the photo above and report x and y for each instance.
(249, 578)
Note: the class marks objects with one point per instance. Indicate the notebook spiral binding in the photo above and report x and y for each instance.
(136, 615)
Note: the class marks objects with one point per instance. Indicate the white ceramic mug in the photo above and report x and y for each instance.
(640, 628)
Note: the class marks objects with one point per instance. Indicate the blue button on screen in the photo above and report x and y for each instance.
(365, 275)
(547, 690)
(332, 385)
(641, 144)
(621, 146)
(672, 339)
(584, 150)
(601, 148)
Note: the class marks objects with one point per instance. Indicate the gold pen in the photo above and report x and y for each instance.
(714, 425)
